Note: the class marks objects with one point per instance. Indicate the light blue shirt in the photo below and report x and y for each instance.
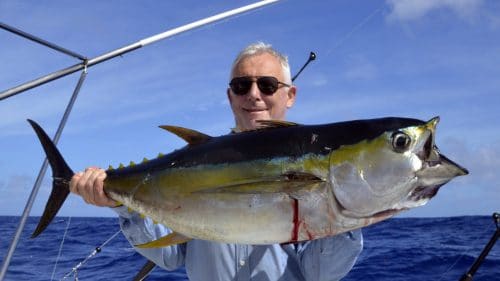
(328, 258)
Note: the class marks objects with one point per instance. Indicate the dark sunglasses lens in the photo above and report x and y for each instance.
(240, 86)
(267, 85)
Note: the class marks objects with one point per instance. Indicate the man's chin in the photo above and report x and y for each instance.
(253, 124)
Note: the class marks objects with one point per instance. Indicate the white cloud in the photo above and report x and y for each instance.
(406, 10)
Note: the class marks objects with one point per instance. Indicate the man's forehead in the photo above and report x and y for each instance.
(252, 65)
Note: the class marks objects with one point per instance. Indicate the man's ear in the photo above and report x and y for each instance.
(292, 93)
(229, 96)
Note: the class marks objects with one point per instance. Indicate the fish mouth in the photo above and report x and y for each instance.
(419, 196)
(387, 213)
(436, 171)
(424, 192)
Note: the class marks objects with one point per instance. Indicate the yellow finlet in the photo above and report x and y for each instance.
(145, 160)
(121, 166)
(110, 168)
(132, 163)
(165, 241)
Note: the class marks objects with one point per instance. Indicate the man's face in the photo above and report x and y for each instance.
(255, 105)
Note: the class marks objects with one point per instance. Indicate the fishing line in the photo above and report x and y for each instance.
(480, 235)
(60, 248)
(354, 30)
(97, 250)
(39, 179)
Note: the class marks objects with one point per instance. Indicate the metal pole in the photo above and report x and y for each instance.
(477, 263)
(41, 41)
(66, 71)
(38, 182)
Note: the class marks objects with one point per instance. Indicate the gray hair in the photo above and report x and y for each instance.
(261, 48)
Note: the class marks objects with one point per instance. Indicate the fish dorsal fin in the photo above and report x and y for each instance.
(165, 241)
(269, 124)
(190, 136)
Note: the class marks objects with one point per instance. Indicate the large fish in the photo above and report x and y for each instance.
(279, 184)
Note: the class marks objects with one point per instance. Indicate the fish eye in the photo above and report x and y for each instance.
(400, 141)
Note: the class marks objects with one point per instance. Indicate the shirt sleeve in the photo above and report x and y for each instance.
(139, 230)
(330, 258)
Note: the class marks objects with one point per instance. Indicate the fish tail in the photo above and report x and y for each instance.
(61, 175)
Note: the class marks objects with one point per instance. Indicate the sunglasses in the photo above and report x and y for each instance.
(268, 85)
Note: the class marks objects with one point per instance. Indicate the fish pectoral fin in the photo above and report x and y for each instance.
(165, 241)
(192, 137)
(301, 177)
(286, 183)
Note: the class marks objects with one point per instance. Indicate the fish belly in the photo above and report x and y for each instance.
(231, 218)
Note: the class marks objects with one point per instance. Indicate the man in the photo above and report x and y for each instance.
(260, 89)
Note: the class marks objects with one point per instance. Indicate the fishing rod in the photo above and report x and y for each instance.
(123, 50)
(312, 56)
(477, 263)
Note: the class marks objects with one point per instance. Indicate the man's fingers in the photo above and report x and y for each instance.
(90, 186)
(84, 186)
(74, 181)
(102, 198)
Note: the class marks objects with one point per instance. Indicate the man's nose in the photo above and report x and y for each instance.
(254, 91)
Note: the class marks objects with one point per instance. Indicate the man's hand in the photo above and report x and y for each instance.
(90, 186)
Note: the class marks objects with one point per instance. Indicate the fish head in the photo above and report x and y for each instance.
(400, 169)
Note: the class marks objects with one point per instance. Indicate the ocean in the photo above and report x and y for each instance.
(396, 249)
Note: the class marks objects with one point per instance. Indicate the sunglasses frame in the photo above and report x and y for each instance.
(259, 80)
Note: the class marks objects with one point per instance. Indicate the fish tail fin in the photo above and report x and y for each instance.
(61, 175)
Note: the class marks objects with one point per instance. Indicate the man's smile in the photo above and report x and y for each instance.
(254, 110)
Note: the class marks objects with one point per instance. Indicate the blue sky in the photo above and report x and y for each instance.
(375, 58)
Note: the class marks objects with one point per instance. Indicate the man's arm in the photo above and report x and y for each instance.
(140, 230)
(330, 258)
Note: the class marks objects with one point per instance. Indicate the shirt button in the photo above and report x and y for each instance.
(242, 262)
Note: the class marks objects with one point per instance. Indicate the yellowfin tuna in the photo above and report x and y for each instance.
(282, 183)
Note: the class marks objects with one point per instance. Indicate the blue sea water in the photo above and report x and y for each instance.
(396, 249)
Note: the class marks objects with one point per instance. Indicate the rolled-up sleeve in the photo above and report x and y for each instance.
(139, 230)
(330, 258)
